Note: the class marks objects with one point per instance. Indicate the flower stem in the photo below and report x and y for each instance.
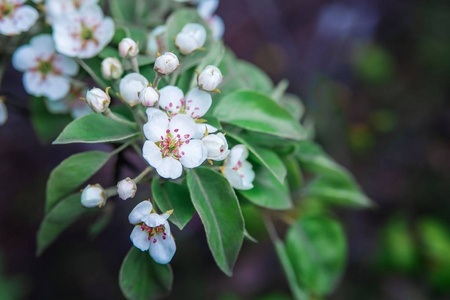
(138, 178)
(297, 292)
(134, 64)
(108, 113)
(156, 81)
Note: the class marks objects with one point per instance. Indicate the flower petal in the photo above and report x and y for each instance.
(169, 168)
(197, 103)
(55, 87)
(24, 58)
(139, 238)
(193, 154)
(154, 219)
(43, 46)
(152, 154)
(171, 98)
(184, 126)
(156, 127)
(25, 17)
(67, 65)
(151, 111)
(202, 128)
(139, 212)
(162, 248)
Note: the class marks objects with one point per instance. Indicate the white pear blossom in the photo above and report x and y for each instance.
(195, 105)
(55, 9)
(93, 195)
(16, 17)
(171, 144)
(131, 86)
(166, 63)
(72, 103)
(217, 146)
(111, 68)
(46, 72)
(149, 96)
(98, 100)
(83, 33)
(238, 170)
(152, 232)
(128, 48)
(156, 41)
(209, 78)
(126, 188)
(191, 38)
(3, 112)
(206, 9)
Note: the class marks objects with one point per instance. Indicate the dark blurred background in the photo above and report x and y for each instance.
(374, 75)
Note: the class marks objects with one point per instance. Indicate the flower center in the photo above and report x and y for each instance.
(170, 144)
(6, 9)
(87, 33)
(45, 67)
(152, 231)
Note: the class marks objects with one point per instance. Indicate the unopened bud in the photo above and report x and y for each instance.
(166, 63)
(126, 188)
(191, 38)
(93, 195)
(149, 96)
(111, 68)
(209, 78)
(128, 48)
(98, 100)
(131, 86)
(217, 146)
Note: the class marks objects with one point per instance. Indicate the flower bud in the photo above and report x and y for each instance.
(130, 86)
(217, 146)
(191, 38)
(111, 68)
(126, 188)
(166, 63)
(3, 112)
(98, 100)
(157, 40)
(93, 195)
(209, 78)
(149, 96)
(128, 48)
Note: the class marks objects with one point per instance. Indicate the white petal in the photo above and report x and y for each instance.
(234, 179)
(43, 45)
(194, 153)
(169, 168)
(24, 58)
(217, 26)
(56, 87)
(152, 154)
(67, 65)
(206, 8)
(238, 153)
(184, 126)
(197, 103)
(202, 129)
(139, 212)
(162, 250)
(151, 112)
(197, 31)
(171, 98)
(25, 17)
(32, 82)
(186, 43)
(154, 220)
(247, 174)
(139, 238)
(156, 127)
(130, 86)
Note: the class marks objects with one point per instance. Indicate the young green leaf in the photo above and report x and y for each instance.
(316, 247)
(141, 278)
(65, 213)
(169, 195)
(96, 128)
(267, 191)
(71, 173)
(254, 111)
(219, 210)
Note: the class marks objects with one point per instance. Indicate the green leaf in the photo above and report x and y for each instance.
(65, 213)
(175, 23)
(316, 247)
(294, 105)
(122, 11)
(46, 124)
(267, 191)
(96, 128)
(109, 52)
(254, 111)
(169, 195)
(71, 173)
(294, 174)
(141, 278)
(219, 210)
(337, 192)
(265, 157)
